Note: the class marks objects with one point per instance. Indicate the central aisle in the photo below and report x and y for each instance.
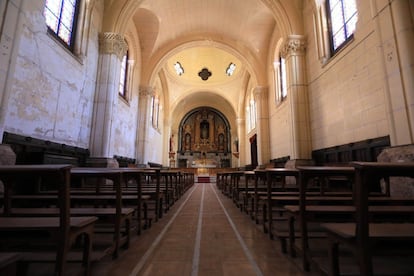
(203, 234)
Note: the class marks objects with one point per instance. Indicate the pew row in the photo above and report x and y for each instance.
(44, 235)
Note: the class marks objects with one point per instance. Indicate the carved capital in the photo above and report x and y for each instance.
(112, 43)
(260, 93)
(146, 91)
(294, 45)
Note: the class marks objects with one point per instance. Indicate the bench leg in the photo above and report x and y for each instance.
(264, 214)
(127, 232)
(292, 237)
(87, 250)
(333, 257)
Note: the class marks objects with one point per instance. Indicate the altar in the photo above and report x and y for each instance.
(204, 141)
(204, 166)
(204, 163)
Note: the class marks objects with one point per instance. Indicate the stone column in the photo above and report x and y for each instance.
(262, 124)
(112, 47)
(394, 28)
(145, 94)
(297, 91)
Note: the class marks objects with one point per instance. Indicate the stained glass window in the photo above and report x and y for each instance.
(283, 80)
(343, 17)
(251, 114)
(123, 76)
(61, 19)
(155, 109)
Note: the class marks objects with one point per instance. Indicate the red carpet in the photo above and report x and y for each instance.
(203, 179)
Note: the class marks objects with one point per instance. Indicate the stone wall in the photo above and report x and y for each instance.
(399, 186)
(7, 157)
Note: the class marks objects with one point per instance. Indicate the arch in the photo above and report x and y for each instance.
(249, 59)
(185, 138)
(286, 15)
(208, 98)
(119, 13)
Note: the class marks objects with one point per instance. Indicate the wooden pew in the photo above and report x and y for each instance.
(247, 196)
(96, 199)
(8, 263)
(151, 186)
(65, 229)
(121, 216)
(257, 194)
(235, 187)
(362, 235)
(271, 173)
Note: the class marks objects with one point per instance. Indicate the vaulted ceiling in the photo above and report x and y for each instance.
(200, 34)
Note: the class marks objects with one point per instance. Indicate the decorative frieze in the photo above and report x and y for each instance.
(112, 43)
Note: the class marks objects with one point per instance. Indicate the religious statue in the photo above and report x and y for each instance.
(172, 145)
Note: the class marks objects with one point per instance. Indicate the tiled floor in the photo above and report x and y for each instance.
(203, 234)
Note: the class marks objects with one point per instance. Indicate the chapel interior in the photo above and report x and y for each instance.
(209, 96)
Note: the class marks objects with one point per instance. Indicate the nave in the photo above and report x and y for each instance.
(203, 234)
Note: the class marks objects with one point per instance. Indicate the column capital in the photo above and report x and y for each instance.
(112, 43)
(294, 45)
(260, 92)
(146, 91)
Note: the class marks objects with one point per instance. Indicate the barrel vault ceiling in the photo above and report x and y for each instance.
(205, 37)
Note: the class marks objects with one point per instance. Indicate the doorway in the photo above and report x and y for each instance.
(253, 150)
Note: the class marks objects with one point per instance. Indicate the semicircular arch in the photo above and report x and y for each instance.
(201, 98)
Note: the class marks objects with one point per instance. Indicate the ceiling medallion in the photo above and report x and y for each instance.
(204, 74)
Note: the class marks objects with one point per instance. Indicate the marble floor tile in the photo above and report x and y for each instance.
(177, 245)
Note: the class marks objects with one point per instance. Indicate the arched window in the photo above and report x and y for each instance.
(61, 20)
(334, 23)
(251, 114)
(123, 76)
(280, 79)
(155, 110)
(342, 19)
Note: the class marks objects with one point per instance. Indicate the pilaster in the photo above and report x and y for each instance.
(112, 48)
(261, 95)
(145, 94)
(394, 28)
(294, 54)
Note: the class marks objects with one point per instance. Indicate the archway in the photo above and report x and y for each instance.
(204, 139)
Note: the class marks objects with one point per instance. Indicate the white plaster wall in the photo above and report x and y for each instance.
(50, 90)
(346, 95)
(125, 122)
(279, 125)
(154, 150)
